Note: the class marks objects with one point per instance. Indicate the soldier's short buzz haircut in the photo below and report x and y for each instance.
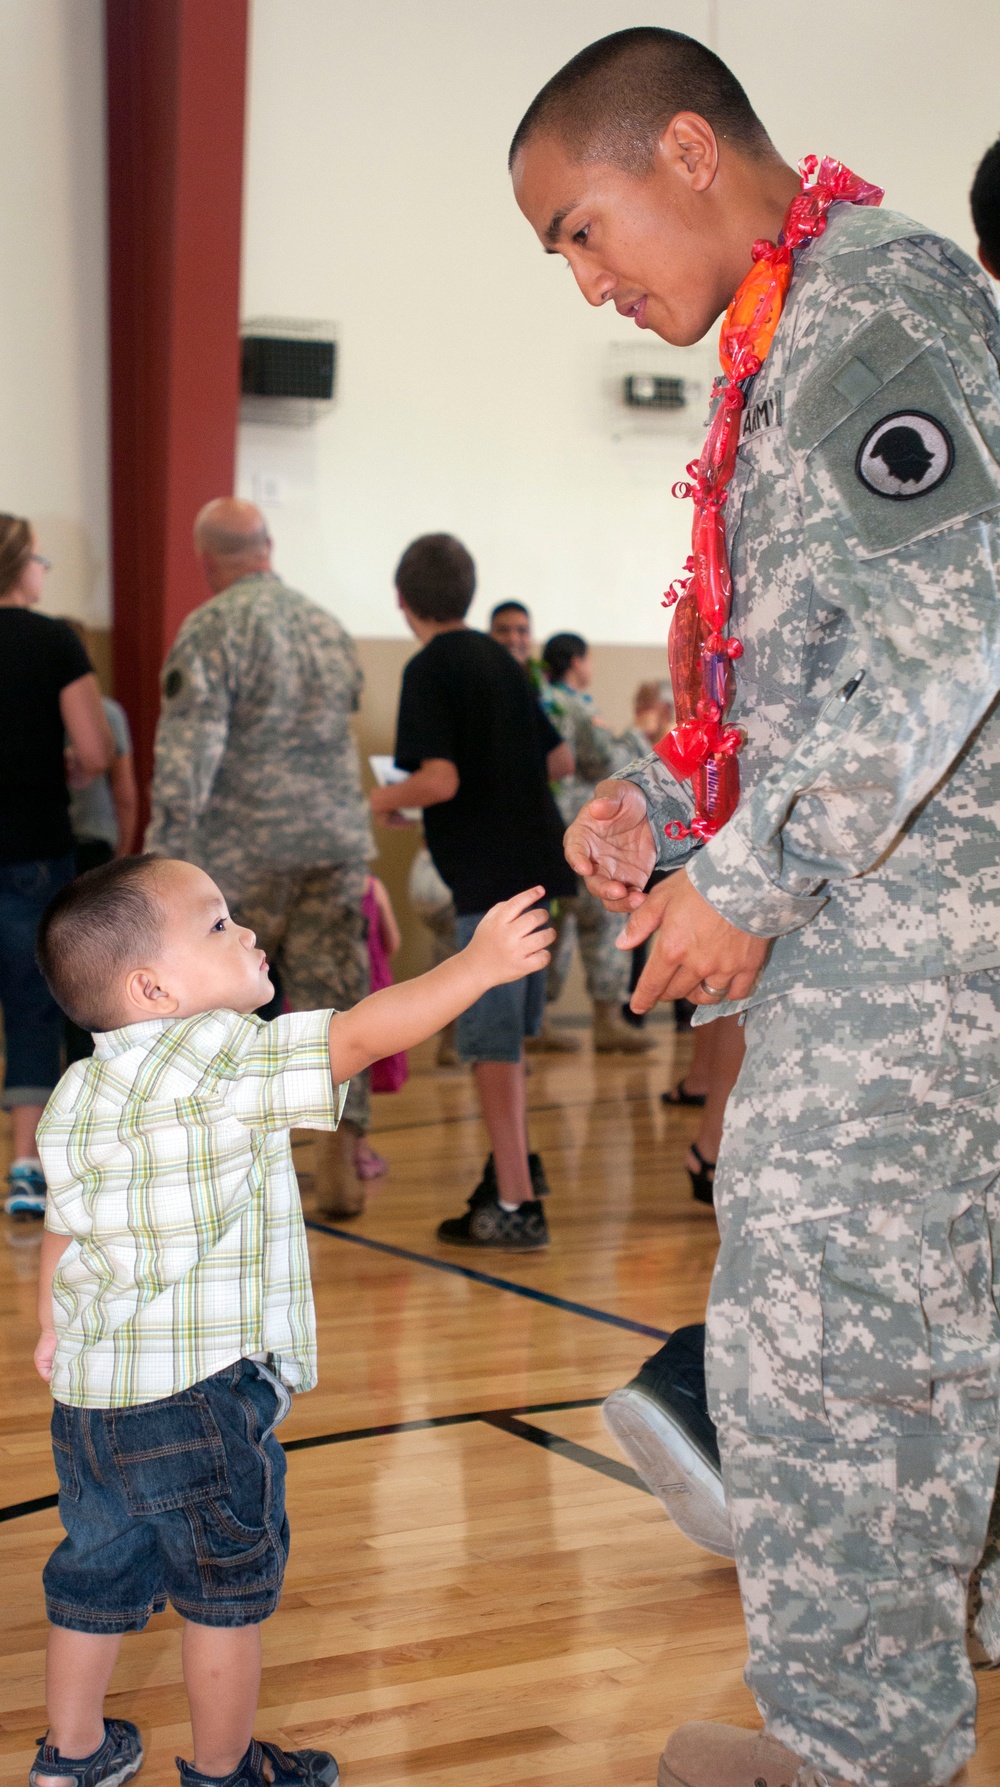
(985, 200)
(96, 929)
(436, 578)
(614, 100)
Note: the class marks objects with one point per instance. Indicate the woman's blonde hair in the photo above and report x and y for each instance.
(15, 550)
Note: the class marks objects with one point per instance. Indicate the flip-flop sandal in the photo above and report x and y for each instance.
(678, 1095)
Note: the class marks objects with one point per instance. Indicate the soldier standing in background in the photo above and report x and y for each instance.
(257, 781)
(850, 905)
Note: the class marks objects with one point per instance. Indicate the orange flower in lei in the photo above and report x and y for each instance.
(702, 748)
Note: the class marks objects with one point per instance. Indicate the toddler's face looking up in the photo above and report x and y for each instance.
(204, 962)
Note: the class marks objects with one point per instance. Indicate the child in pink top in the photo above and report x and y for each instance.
(391, 1073)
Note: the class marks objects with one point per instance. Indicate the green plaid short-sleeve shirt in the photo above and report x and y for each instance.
(169, 1166)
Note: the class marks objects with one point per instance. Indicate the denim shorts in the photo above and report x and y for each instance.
(181, 1500)
(32, 1020)
(495, 1027)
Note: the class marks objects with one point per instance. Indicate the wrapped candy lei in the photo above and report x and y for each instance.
(702, 748)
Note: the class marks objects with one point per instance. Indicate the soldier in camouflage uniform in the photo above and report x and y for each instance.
(851, 908)
(257, 780)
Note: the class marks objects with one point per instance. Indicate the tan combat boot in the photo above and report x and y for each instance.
(702, 1755)
(339, 1191)
(551, 1041)
(612, 1036)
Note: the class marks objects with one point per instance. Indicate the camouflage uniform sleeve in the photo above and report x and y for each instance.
(196, 692)
(895, 440)
(668, 802)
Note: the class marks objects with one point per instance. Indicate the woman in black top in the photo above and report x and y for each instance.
(48, 693)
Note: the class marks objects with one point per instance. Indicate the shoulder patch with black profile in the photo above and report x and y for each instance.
(173, 683)
(905, 455)
(891, 442)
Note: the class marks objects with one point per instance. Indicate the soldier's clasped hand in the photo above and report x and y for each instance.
(697, 954)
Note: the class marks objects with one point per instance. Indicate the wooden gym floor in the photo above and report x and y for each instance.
(477, 1591)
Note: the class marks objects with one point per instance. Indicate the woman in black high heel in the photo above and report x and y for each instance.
(708, 1082)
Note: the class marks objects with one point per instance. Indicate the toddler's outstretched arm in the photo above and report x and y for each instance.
(511, 941)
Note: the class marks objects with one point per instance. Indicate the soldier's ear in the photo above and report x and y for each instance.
(985, 262)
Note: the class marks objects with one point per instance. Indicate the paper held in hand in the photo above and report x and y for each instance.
(385, 772)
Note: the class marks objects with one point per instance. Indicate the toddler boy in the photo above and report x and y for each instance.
(174, 1300)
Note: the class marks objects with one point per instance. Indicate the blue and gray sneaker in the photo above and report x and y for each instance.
(25, 1190)
(265, 1765)
(661, 1422)
(117, 1759)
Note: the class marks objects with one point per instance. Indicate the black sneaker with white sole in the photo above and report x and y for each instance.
(487, 1224)
(662, 1423)
(115, 1760)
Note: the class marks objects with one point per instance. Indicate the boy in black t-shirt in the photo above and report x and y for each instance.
(481, 752)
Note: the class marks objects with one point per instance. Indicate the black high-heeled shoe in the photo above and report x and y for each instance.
(703, 1181)
(677, 1095)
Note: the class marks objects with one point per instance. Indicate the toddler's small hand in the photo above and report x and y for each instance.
(513, 939)
(45, 1353)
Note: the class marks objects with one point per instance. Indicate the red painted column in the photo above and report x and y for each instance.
(176, 76)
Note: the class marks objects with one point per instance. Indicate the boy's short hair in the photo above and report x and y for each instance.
(436, 578)
(612, 102)
(985, 201)
(559, 652)
(94, 930)
(505, 607)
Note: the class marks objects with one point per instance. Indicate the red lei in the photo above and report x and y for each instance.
(702, 748)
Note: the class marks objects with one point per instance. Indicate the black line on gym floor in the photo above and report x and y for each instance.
(488, 1278)
(563, 1448)
(506, 1420)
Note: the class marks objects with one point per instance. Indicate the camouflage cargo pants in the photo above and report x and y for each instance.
(854, 1365)
(605, 968)
(311, 925)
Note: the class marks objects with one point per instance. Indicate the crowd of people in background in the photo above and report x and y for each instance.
(257, 780)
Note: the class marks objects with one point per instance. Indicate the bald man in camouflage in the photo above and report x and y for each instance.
(257, 780)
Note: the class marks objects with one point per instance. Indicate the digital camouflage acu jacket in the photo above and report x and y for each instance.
(256, 764)
(863, 522)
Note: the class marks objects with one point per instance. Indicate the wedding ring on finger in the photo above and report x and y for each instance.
(715, 992)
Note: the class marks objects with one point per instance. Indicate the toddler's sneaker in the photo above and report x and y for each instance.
(487, 1224)
(25, 1189)
(117, 1759)
(265, 1765)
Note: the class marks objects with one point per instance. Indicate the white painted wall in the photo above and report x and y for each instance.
(471, 371)
(53, 405)
(470, 394)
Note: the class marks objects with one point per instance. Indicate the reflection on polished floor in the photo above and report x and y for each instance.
(474, 1594)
